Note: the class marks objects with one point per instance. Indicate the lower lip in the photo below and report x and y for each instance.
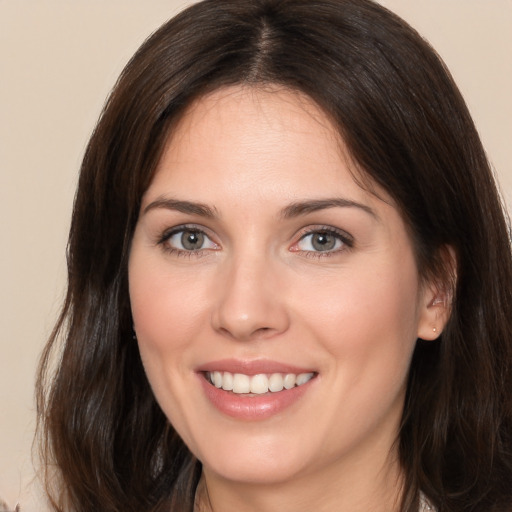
(253, 408)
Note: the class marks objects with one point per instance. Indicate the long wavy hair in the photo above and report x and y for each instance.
(105, 442)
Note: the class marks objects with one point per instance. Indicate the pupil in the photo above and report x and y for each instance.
(192, 240)
(323, 242)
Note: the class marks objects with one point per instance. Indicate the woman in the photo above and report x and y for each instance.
(289, 278)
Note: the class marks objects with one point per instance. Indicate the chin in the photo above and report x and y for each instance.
(265, 460)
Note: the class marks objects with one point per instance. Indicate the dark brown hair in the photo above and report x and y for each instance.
(406, 125)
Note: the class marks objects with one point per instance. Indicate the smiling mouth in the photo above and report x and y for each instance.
(254, 385)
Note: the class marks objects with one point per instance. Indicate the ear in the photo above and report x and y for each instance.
(437, 297)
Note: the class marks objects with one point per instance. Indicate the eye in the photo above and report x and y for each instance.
(323, 241)
(320, 241)
(188, 240)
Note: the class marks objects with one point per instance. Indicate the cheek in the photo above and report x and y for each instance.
(166, 312)
(386, 304)
(368, 316)
(366, 322)
(167, 309)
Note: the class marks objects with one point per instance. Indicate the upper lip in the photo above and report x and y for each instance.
(251, 367)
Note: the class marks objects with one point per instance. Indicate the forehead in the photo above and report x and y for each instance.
(258, 118)
(272, 142)
(278, 106)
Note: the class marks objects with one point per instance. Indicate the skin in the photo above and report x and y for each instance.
(258, 289)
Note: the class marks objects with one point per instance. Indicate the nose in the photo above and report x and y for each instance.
(250, 301)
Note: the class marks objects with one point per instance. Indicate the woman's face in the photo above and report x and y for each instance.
(258, 262)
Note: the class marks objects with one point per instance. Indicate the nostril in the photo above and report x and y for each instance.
(258, 333)
(263, 332)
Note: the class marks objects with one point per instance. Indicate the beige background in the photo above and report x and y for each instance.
(58, 60)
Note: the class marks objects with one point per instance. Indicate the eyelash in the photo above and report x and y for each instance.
(346, 240)
(187, 228)
(340, 236)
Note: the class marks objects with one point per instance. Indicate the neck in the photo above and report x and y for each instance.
(356, 487)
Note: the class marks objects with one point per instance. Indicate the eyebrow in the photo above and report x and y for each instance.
(295, 209)
(189, 207)
(314, 205)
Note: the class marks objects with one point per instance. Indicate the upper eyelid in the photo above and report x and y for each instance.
(326, 229)
(166, 233)
(301, 232)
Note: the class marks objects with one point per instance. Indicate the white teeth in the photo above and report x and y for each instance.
(303, 378)
(257, 384)
(227, 381)
(275, 383)
(241, 383)
(289, 381)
